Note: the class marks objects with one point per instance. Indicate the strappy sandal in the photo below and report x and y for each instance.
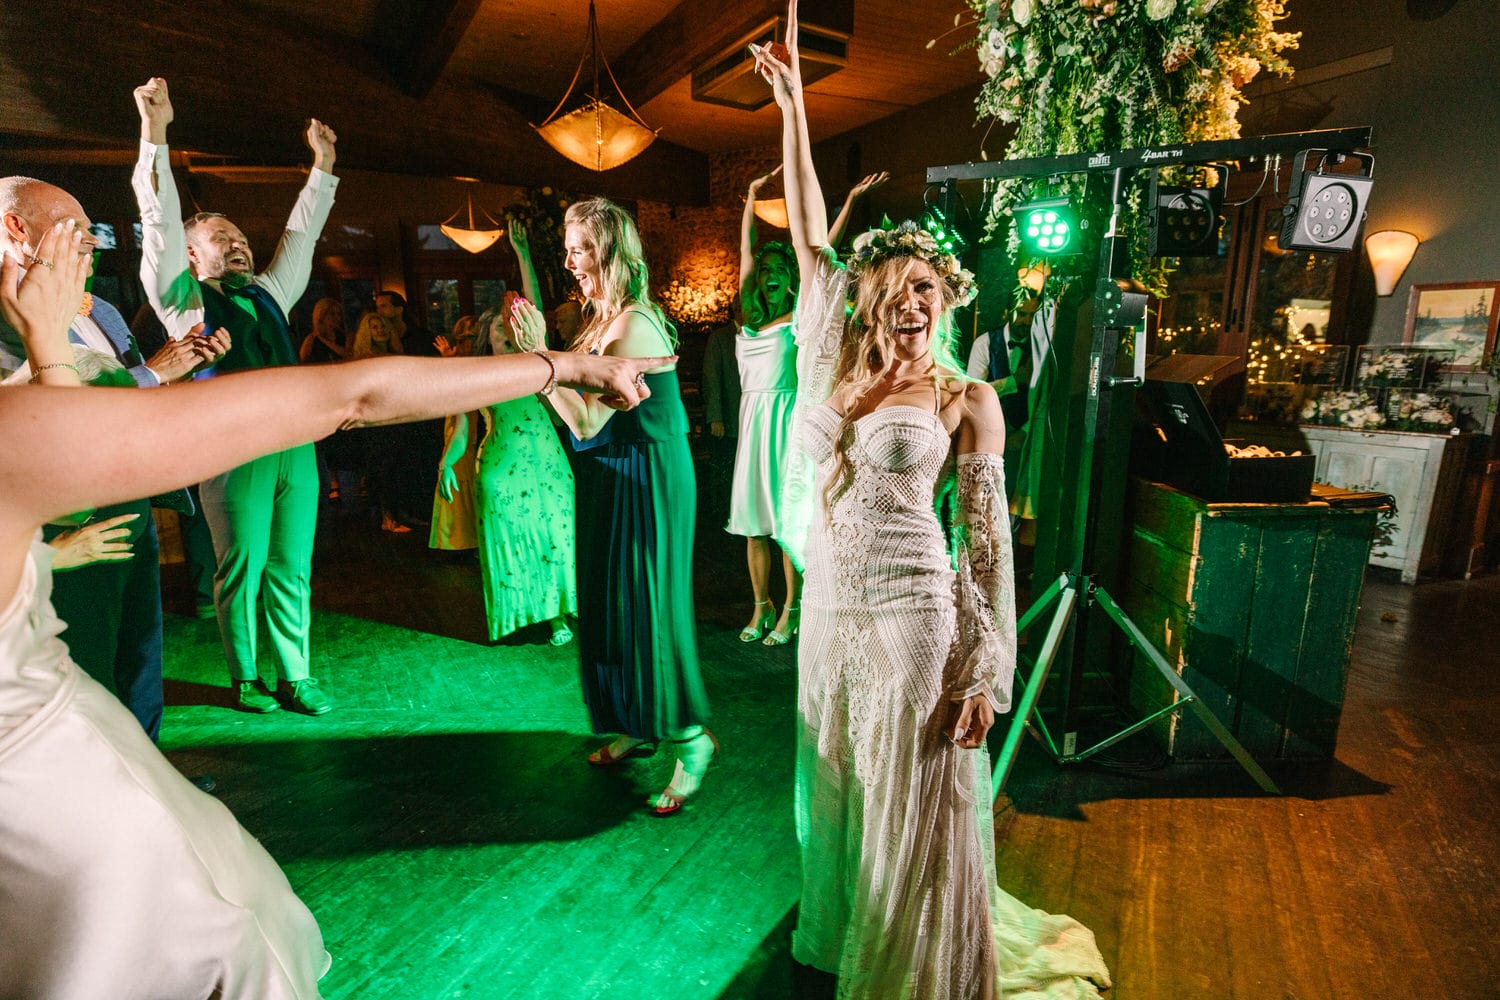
(605, 757)
(685, 780)
(763, 622)
(794, 625)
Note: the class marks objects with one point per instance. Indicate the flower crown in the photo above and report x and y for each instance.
(910, 240)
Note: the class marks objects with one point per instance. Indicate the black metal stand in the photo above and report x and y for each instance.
(1115, 311)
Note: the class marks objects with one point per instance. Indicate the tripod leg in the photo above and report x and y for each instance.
(1038, 678)
(1040, 604)
(1223, 735)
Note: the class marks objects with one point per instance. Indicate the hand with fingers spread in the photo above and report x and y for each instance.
(864, 187)
(518, 239)
(619, 381)
(41, 305)
(528, 325)
(104, 541)
(868, 184)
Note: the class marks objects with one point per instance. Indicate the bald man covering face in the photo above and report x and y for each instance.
(112, 606)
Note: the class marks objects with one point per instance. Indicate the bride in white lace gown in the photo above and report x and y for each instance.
(904, 659)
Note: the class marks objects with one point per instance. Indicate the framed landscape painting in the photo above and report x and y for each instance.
(1460, 315)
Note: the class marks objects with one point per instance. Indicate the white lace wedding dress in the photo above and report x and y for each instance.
(899, 891)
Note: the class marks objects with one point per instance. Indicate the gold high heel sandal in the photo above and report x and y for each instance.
(794, 624)
(763, 623)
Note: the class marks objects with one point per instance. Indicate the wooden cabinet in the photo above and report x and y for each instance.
(1254, 605)
(1424, 472)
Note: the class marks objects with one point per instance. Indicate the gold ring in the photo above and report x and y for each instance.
(45, 263)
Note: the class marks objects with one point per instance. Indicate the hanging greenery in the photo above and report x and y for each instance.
(1080, 76)
(542, 213)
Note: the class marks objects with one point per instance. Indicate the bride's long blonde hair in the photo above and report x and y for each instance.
(624, 281)
(868, 348)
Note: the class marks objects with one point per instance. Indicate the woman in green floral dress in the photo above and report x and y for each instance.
(523, 499)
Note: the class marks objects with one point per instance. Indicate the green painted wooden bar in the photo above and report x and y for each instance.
(1255, 604)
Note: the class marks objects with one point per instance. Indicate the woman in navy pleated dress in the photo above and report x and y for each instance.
(637, 503)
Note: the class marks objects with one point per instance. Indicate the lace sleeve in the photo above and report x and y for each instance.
(820, 332)
(984, 661)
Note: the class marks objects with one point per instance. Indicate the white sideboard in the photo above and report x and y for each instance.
(1424, 472)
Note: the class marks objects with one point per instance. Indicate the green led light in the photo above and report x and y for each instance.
(1046, 227)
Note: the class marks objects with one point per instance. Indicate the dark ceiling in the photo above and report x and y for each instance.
(437, 88)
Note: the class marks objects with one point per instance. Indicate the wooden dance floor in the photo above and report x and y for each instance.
(444, 829)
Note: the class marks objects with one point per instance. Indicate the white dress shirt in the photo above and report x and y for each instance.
(170, 287)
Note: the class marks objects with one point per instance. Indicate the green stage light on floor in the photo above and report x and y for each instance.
(1047, 228)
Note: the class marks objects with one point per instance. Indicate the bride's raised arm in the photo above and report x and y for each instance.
(820, 299)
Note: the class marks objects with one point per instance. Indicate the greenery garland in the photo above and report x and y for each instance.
(1078, 76)
(541, 211)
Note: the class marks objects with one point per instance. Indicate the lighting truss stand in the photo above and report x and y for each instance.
(1113, 313)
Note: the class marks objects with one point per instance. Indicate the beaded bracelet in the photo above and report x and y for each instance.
(36, 371)
(546, 390)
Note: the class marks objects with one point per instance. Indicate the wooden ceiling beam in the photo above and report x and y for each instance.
(433, 29)
(243, 87)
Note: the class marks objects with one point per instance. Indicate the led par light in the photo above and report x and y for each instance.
(1186, 220)
(947, 235)
(1047, 228)
(1324, 211)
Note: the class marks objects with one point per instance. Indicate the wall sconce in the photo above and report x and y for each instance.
(1034, 275)
(1390, 250)
(772, 211)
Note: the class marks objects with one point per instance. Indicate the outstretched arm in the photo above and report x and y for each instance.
(864, 187)
(747, 232)
(807, 215)
(632, 335)
(123, 444)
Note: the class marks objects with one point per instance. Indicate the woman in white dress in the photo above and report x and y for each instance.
(903, 661)
(766, 354)
(118, 878)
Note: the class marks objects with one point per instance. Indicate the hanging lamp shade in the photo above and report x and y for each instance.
(772, 211)
(596, 135)
(471, 237)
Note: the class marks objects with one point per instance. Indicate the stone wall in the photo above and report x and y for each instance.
(694, 252)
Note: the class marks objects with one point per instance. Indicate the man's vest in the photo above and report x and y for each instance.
(260, 341)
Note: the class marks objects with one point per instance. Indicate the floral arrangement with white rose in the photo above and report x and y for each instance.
(1420, 411)
(1352, 408)
(1080, 76)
